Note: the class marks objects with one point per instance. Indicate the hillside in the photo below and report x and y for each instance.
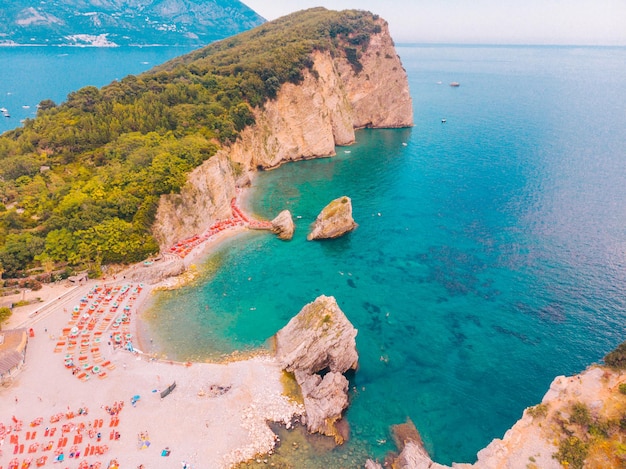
(81, 183)
(123, 22)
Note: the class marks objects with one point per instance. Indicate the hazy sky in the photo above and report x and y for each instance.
(482, 21)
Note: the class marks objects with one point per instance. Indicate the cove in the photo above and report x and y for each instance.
(488, 257)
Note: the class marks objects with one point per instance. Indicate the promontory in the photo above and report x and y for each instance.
(117, 174)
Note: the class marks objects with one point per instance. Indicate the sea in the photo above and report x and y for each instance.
(490, 253)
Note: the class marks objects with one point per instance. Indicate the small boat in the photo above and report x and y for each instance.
(25, 106)
(3, 110)
(455, 84)
(443, 121)
(347, 151)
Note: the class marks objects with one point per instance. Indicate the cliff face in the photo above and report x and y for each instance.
(309, 119)
(303, 121)
(205, 198)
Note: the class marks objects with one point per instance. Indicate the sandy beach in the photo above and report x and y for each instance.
(216, 415)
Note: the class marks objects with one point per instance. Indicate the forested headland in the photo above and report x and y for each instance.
(80, 183)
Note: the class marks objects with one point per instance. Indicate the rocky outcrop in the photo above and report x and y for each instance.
(283, 225)
(334, 220)
(320, 338)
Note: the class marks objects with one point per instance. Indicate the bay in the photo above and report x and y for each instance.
(489, 256)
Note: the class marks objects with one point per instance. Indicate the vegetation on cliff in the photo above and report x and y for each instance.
(80, 183)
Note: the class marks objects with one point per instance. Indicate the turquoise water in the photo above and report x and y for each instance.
(29, 75)
(496, 263)
(489, 256)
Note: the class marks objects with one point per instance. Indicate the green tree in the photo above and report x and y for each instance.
(19, 251)
(5, 314)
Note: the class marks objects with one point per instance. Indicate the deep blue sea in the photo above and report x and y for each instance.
(490, 255)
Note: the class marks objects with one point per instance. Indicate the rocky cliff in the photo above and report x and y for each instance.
(581, 422)
(303, 121)
(309, 119)
(205, 198)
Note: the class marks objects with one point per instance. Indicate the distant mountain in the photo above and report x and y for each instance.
(122, 22)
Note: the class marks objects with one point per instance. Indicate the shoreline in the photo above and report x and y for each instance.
(215, 417)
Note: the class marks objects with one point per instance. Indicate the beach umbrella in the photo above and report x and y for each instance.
(96, 369)
(76, 308)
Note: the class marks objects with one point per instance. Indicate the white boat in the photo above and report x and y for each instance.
(455, 84)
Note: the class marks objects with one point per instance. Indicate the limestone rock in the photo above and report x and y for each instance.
(318, 337)
(334, 220)
(309, 119)
(325, 399)
(369, 464)
(204, 198)
(283, 225)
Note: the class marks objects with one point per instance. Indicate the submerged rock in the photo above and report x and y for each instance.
(320, 339)
(283, 225)
(334, 220)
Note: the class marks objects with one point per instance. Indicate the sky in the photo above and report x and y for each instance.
(576, 22)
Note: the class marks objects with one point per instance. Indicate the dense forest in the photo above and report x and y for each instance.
(80, 183)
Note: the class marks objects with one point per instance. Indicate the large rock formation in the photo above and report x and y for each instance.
(283, 225)
(334, 220)
(303, 121)
(307, 120)
(320, 339)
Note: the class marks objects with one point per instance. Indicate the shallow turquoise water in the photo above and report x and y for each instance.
(489, 256)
